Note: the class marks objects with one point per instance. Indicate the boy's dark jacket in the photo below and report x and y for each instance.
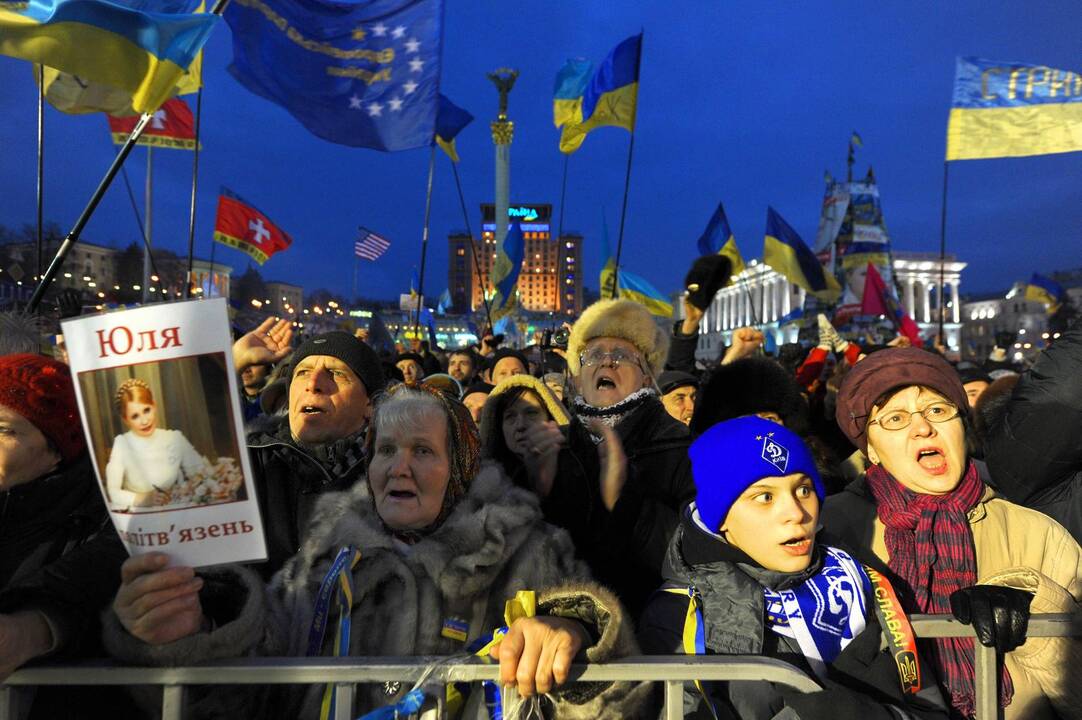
(864, 677)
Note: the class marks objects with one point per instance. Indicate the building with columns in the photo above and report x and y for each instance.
(760, 297)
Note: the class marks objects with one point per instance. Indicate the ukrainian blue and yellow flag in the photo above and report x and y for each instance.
(571, 83)
(718, 238)
(629, 286)
(142, 52)
(450, 120)
(609, 98)
(506, 269)
(1047, 291)
(1003, 109)
(784, 251)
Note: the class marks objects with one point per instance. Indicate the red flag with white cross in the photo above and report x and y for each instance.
(171, 126)
(240, 225)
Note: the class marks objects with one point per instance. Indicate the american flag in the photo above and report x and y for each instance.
(371, 245)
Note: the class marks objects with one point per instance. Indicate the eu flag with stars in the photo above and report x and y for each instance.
(361, 74)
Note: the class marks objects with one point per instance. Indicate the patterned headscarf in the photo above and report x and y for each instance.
(465, 443)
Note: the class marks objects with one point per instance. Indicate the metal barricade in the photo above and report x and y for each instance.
(345, 673)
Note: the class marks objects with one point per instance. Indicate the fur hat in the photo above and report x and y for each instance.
(624, 319)
(41, 390)
(745, 387)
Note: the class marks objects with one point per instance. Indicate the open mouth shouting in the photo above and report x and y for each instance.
(932, 460)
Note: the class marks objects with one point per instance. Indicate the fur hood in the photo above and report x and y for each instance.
(624, 319)
(491, 426)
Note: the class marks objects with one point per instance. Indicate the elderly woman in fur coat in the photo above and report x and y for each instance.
(438, 544)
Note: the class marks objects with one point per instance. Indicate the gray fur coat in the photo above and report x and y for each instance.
(493, 544)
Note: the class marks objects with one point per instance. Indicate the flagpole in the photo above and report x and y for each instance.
(139, 222)
(73, 235)
(355, 262)
(195, 185)
(41, 168)
(942, 250)
(627, 174)
(424, 237)
(473, 246)
(148, 204)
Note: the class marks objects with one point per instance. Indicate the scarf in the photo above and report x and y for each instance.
(611, 414)
(824, 612)
(930, 545)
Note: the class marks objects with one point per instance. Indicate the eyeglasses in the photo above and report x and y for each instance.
(615, 358)
(900, 419)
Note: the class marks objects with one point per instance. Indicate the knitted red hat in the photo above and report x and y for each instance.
(41, 390)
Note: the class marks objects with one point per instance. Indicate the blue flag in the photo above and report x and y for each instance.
(360, 74)
(450, 120)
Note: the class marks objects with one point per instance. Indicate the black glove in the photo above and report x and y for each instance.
(999, 615)
(705, 278)
(835, 702)
(69, 303)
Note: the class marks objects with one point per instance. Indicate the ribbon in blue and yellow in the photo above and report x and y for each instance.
(694, 633)
(337, 583)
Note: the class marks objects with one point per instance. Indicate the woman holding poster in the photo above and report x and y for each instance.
(147, 461)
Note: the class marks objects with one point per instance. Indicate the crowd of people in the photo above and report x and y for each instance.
(799, 507)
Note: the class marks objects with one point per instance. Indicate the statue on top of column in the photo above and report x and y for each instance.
(504, 79)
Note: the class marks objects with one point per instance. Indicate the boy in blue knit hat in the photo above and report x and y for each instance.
(748, 572)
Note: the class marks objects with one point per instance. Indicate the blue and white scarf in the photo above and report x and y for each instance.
(825, 612)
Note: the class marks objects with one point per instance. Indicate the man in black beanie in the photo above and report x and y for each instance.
(318, 445)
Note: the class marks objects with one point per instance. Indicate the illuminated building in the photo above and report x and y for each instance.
(551, 277)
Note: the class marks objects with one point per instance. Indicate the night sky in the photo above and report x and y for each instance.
(746, 103)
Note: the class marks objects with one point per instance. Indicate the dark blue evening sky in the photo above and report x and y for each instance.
(743, 102)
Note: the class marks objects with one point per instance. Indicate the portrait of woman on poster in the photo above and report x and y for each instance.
(147, 461)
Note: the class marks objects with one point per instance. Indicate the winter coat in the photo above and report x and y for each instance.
(1016, 547)
(492, 545)
(289, 480)
(60, 555)
(625, 548)
(1034, 453)
(682, 348)
(733, 610)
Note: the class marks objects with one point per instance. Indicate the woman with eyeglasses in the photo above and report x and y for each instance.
(949, 543)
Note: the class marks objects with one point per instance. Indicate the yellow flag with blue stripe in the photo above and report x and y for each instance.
(628, 285)
(609, 98)
(784, 251)
(142, 52)
(1004, 109)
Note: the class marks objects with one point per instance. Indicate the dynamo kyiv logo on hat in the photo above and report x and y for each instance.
(775, 453)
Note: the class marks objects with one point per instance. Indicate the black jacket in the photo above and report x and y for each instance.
(734, 618)
(1034, 454)
(625, 548)
(290, 478)
(60, 554)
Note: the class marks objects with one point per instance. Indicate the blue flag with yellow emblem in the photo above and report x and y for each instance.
(360, 74)
(450, 120)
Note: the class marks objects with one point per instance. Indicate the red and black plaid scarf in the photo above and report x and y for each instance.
(931, 551)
